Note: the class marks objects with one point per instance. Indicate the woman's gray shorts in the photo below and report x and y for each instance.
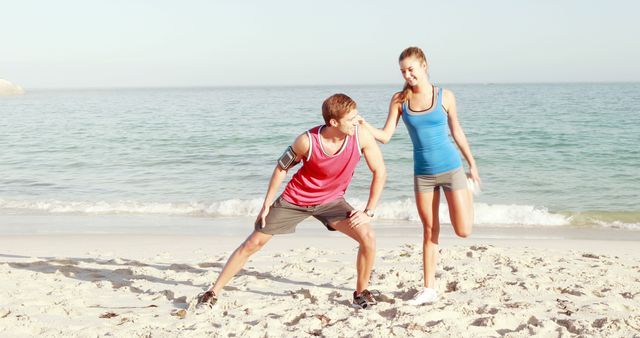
(455, 179)
(283, 217)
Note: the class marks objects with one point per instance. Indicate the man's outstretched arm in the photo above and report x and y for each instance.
(300, 149)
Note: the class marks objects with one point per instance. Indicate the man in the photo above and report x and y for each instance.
(329, 154)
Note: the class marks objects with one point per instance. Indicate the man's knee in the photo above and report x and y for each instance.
(251, 245)
(368, 239)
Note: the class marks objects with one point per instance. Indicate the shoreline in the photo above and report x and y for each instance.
(52, 242)
(53, 224)
(136, 245)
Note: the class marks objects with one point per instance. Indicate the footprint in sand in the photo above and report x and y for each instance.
(599, 323)
(566, 307)
(570, 291)
(336, 297)
(305, 294)
(210, 265)
(452, 286)
(520, 328)
(483, 321)
(483, 309)
(572, 325)
(390, 314)
(478, 248)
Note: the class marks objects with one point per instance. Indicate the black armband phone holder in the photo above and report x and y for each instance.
(287, 159)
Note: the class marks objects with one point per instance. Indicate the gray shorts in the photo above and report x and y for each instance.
(283, 216)
(455, 179)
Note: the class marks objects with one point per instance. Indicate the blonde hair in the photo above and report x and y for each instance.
(336, 106)
(417, 53)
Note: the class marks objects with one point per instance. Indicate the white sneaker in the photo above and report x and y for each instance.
(427, 295)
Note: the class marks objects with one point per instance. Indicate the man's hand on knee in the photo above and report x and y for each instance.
(357, 218)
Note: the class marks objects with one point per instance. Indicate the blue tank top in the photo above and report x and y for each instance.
(433, 151)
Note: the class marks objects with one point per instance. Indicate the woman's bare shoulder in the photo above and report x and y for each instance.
(397, 98)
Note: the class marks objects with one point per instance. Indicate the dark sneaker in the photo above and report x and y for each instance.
(207, 298)
(364, 299)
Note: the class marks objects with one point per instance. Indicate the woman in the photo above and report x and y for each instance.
(427, 111)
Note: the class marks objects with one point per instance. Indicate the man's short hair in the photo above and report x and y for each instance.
(336, 106)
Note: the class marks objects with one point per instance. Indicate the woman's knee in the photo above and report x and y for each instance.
(462, 224)
(430, 231)
(464, 230)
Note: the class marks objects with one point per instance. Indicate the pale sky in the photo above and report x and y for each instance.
(139, 43)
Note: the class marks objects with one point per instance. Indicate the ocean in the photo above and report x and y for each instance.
(549, 155)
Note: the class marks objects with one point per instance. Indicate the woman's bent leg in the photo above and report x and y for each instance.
(461, 211)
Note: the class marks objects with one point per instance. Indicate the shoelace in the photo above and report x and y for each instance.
(372, 293)
(207, 298)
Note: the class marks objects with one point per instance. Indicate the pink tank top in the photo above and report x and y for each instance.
(323, 178)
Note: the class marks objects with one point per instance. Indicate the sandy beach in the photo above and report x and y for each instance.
(134, 285)
(141, 139)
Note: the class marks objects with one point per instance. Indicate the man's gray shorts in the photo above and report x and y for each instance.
(283, 216)
(455, 179)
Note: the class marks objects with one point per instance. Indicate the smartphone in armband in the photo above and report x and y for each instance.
(287, 159)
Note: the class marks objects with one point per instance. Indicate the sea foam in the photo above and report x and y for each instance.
(401, 210)
(512, 215)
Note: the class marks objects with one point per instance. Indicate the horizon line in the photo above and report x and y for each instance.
(316, 85)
